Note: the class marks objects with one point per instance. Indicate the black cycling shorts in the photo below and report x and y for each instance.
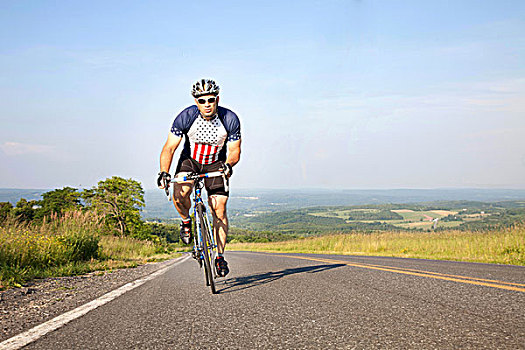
(214, 185)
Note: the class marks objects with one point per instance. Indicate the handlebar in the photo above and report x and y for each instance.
(194, 177)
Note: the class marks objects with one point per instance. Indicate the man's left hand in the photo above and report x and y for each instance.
(227, 169)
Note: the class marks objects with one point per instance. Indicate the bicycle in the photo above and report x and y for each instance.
(204, 245)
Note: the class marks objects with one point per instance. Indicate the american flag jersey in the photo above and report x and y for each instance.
(205, 139)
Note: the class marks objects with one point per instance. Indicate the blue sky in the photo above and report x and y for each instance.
(353, 94)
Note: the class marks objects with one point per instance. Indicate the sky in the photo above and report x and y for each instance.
(331, 94)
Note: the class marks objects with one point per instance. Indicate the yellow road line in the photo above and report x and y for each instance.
(442, 274)
(457, 276)
(460, 279)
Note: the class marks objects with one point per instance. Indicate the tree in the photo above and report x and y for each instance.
(5, 210)
(120, 201)
(58, 201)
(24, 210)
(169, 232)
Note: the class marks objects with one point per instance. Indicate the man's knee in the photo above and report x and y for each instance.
(178, 200)
(181, 194)
(218, 204)
(220, 213)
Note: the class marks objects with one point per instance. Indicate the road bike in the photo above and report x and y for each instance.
(204, 245)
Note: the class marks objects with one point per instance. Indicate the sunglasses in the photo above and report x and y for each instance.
(203, 101)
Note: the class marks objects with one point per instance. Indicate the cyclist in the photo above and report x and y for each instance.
(212, 142)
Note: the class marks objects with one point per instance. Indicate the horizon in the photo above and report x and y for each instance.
(156, 201)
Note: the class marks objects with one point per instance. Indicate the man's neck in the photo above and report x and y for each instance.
(209, 118)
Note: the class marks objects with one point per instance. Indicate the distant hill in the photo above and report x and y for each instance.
(13, 195)
(157, 205)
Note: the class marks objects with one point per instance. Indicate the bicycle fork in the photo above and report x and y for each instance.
(198, 249)
(198, 242)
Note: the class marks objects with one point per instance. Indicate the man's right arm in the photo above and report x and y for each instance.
(166, 156)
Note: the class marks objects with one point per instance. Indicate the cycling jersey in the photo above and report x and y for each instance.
(205, 139)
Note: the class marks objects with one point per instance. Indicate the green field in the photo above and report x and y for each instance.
(425, 225)
(419, 215)
(410, 219)
(342, 213)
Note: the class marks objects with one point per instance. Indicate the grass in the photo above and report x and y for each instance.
(506, 246)
(127, 249)
(418, 215)
(67, 245)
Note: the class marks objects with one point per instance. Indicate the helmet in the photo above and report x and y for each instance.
(205, 87)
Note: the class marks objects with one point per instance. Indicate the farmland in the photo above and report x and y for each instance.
(428, 216)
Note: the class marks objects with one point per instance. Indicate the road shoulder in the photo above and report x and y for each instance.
(41, 300)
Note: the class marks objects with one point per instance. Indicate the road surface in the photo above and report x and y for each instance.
(292, 301)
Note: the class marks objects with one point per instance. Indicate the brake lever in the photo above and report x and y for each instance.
(167, 190)
(226, 187)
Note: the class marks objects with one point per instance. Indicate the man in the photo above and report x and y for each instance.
(212, 142)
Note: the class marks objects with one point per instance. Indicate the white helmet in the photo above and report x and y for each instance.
(205, 87)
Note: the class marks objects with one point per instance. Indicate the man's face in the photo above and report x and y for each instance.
(207, 105)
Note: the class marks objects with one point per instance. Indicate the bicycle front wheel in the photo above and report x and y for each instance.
(207, 249)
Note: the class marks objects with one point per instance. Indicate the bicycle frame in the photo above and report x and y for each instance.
(204, 248)
(198, 242)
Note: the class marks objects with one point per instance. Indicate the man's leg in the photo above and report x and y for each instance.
(182, 202)
(220, 230)
(182, 190)
(181, 198)
(220, 220)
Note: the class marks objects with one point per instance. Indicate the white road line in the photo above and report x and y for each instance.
(34, 333)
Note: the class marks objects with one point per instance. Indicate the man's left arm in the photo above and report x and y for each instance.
(234, 152)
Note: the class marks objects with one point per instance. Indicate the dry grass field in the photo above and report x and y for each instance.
(505, 246)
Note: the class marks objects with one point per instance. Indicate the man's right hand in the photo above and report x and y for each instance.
(163, 181)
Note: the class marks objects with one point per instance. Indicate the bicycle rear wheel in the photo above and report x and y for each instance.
(207, 249)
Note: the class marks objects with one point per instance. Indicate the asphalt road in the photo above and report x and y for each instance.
(288, 301)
